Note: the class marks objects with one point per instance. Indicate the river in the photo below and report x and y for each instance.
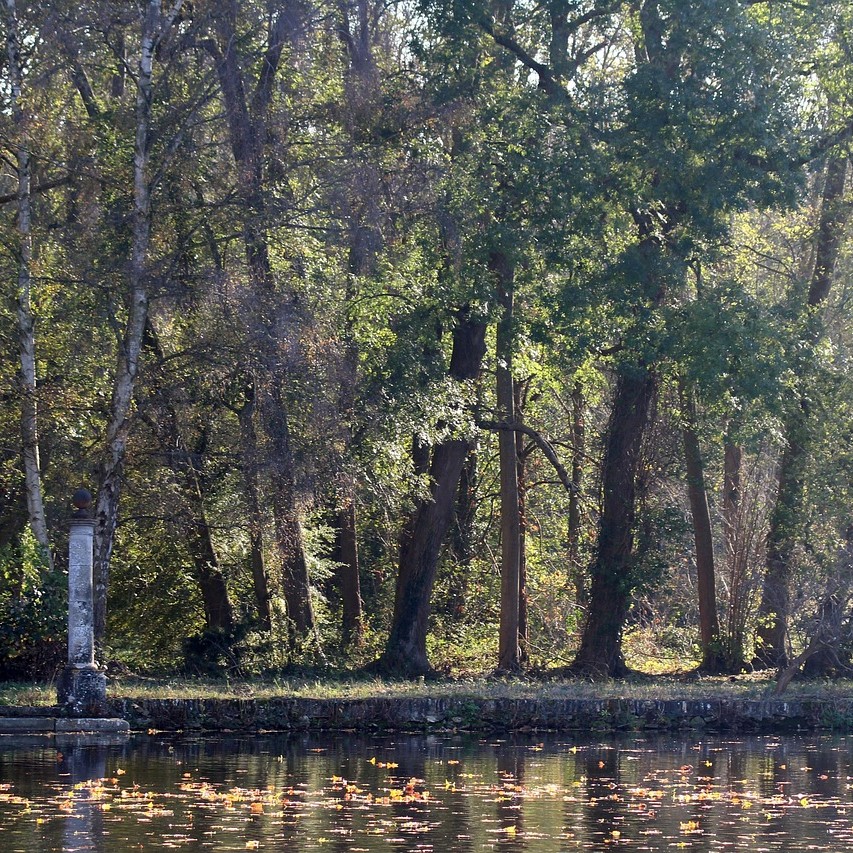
(455, 794)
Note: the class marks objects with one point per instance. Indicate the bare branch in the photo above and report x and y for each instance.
(39, 188)
(547, 81)
(541, 442)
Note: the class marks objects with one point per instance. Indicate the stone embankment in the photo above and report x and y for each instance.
(484, 714)
(459, 713)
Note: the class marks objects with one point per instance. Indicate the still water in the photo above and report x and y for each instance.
(427, 793)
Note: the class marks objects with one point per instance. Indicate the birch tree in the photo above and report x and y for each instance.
(22, 155)
(154, 25)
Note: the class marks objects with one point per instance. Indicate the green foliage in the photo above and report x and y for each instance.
(646, 185)
(33, 613)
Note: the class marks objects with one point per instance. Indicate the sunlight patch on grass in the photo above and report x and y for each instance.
(748, 686)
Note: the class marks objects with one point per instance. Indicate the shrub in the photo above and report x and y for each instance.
(33, 613)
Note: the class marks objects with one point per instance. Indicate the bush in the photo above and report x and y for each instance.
(33, 613)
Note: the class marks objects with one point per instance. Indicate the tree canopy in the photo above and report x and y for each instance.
(458, 333)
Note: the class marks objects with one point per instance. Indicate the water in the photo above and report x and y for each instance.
(426, 793)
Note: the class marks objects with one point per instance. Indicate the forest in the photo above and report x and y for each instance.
(429, 335)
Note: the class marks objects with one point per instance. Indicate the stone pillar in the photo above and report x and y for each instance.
(82, 688)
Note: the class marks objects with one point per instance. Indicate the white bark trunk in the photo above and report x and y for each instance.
(26, 322)
(110, 479)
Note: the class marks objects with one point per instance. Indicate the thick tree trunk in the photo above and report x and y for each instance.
(405, 651)
(249, 468)
(703, 538)
(774, 610)
(118, 427)
(600, 653)
(349, 583)
(509, 655)
(364, 215)
(214, 590)
(26, 321)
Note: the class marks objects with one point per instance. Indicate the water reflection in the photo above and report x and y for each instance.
(426, 793)
(83, 763)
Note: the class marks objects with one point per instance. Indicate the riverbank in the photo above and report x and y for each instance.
(739, 705)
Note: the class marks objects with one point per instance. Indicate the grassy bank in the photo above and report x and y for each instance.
(753, 686)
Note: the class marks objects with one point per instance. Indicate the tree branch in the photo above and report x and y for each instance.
(541, 442)
(39, 188)
(269, 68)
(547, 81)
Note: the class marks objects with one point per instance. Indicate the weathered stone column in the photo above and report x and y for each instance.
(82, 689)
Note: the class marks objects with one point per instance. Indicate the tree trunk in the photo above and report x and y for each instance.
(737, 556)
(773, 612)
(192, 526)
(600, 653)
(703, 538)
(288, 531)
(832, 658)
(118, 427)
(214, 591)
(346, 558)
(462, 535)
(576, 572)
(509, 656)
(405, 651)
(346, 542)
(247, 130)
(26, 322)
(822, 655)
(523, 611)
(249, 467)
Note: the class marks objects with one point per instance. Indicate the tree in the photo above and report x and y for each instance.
(774, 610)
(275, 318)
(155, 26)
(29, 418)
(709, 626)
(405, 651)
(711, 90)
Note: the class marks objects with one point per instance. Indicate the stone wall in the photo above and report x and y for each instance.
(478, 714)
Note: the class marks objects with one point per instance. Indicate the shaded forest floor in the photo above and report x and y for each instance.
(748, 686)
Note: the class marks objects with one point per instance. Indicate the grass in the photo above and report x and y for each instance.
(752, 686)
